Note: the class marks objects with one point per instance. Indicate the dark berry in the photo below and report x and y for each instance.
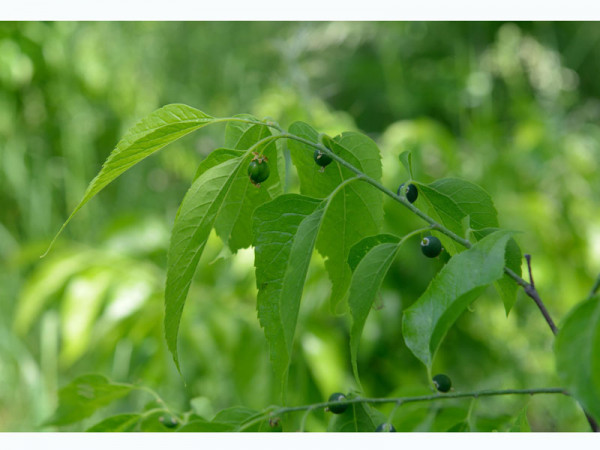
(442, 382)
(168, 420)
(431, 246)
(258, 170)
(388, 427)
(411, 192)
(321, 158)
(337, 397)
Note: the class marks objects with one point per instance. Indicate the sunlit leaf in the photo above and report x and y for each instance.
(357, 212)
(285, 233)
(197, 214)
(454, 203)
(152, 133)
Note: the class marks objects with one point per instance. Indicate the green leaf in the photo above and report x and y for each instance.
(457, 284)
(204, 426)
(235, 415)
(460, 427)
(195, 219)
(577, 351)
(285, 231)
(152, 423)
(454, 203)
(449, 200)
(239, 415)
(120, 422)
(366, 282)
(152, 133)
(506, 286)
(521, 424)
(360, 249)
(83, 396)
(406, 160)
(234, 223)
(358, 417)
(357, 212)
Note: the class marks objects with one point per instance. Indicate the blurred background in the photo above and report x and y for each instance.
(512, 107)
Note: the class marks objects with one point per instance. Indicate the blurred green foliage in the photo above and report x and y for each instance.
(512, 107)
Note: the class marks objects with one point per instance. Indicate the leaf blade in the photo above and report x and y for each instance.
(355, 213)
(149, 135)
(459, 282)
(285, 232)
(577, 351)
(83, 396)
(366, 282)
(194, 221)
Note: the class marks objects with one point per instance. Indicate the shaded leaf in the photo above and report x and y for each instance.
(357, 417)
(154, 422)
(120, 422)
(457, 284)
(83, 396)
(521, 424)
(577, 351)
(205, 426)
(366, 282)
(235, 415)
(152, 133)
(460, 427)
(360, 249)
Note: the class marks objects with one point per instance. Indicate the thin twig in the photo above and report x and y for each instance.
(402, 400)
(529, 288)
(528, 258)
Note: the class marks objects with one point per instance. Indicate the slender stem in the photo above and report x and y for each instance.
(529, 288)
(403, 400)
(595, 288)
(528, 258)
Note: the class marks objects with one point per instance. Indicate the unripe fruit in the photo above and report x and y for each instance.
(337, 397)
(442, 382)
(258, 171)
(168, 420)
(386, 427)
(431, 246)
(321, 158)
(411, 192)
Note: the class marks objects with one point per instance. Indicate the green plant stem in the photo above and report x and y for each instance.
(595, 288)
(402, 400)
(530, 290)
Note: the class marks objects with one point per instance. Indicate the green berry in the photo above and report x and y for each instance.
(388, 427)
(337, 397)
(258, 170)
(168, 420)
(411, 192)
(321, 158)
(431, 246)
(442, 382)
